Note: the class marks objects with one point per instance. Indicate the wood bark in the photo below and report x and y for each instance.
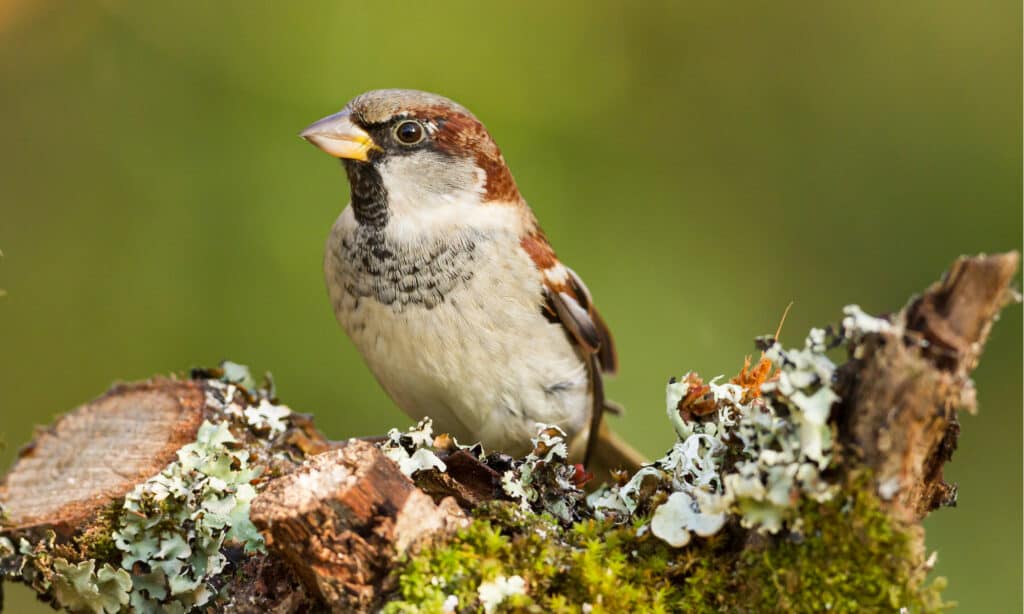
(337, 518)
(905, 384)
(343, 517)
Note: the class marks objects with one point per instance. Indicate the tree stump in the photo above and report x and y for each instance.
(95, 454)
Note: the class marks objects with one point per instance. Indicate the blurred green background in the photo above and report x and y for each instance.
(699, 164)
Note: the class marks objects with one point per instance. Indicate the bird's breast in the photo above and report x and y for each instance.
(366, 264)
(453, 329)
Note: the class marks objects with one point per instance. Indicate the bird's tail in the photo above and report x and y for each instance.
(612, 452)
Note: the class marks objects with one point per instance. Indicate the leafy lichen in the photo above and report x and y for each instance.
(753, 474)
(175, 524)
(751, 448)
(83, 588)
(750, 510)
(542, 481)
(165, 546)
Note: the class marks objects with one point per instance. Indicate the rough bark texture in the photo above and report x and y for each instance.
(336, 517)
(906, 384)
(343, 517)
(466, 479)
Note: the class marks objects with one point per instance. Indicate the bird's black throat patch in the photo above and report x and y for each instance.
(369, 196)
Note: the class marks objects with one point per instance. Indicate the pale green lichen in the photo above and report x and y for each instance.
(236, 394)
(413, 450)
(754, 461)
(681, 514)
(754, 456)
(82, 588)
(175, 524)
(238, 374)
(543, 481)
(267, 418)
(75, 587)
(165, 546)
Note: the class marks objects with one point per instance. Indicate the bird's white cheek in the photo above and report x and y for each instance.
(417, 179)
(428, 199)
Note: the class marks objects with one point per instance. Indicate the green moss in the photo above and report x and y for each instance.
(848, 557)
(593, 562)
(96, 540)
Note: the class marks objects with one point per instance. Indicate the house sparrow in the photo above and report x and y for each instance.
(441, 276)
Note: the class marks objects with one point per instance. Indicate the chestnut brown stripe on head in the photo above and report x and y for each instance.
(434, 123)
(462, 134)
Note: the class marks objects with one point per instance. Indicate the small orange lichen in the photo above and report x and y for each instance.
(699, 401)
(751, 379)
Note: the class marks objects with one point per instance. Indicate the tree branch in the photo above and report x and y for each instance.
(798, 484)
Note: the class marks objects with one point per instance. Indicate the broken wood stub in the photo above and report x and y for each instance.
(97, 453)
(907, 383)
(342, 518)
(465, 478)
(955, 315)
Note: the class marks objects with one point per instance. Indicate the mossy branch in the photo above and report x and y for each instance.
(798, 485)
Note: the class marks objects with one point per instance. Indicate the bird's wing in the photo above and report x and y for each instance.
(570, 302)
(567, 301)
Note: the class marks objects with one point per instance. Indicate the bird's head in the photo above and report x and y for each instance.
(409, 153)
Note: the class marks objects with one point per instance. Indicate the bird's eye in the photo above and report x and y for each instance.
(409, 132)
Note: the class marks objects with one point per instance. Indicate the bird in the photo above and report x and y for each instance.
(442, 277)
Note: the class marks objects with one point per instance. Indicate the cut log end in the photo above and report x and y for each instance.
(94, 455)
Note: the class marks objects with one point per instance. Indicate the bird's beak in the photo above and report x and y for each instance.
(339, 136)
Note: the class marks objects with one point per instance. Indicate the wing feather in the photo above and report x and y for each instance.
(606, 346)
(567, 301)
(576, 320)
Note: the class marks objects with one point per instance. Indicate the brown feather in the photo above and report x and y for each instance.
(539, 250)
(607, 355)
(597, 410)
(460, 133)
(576, 320)
(569, 300)
(606, 346)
